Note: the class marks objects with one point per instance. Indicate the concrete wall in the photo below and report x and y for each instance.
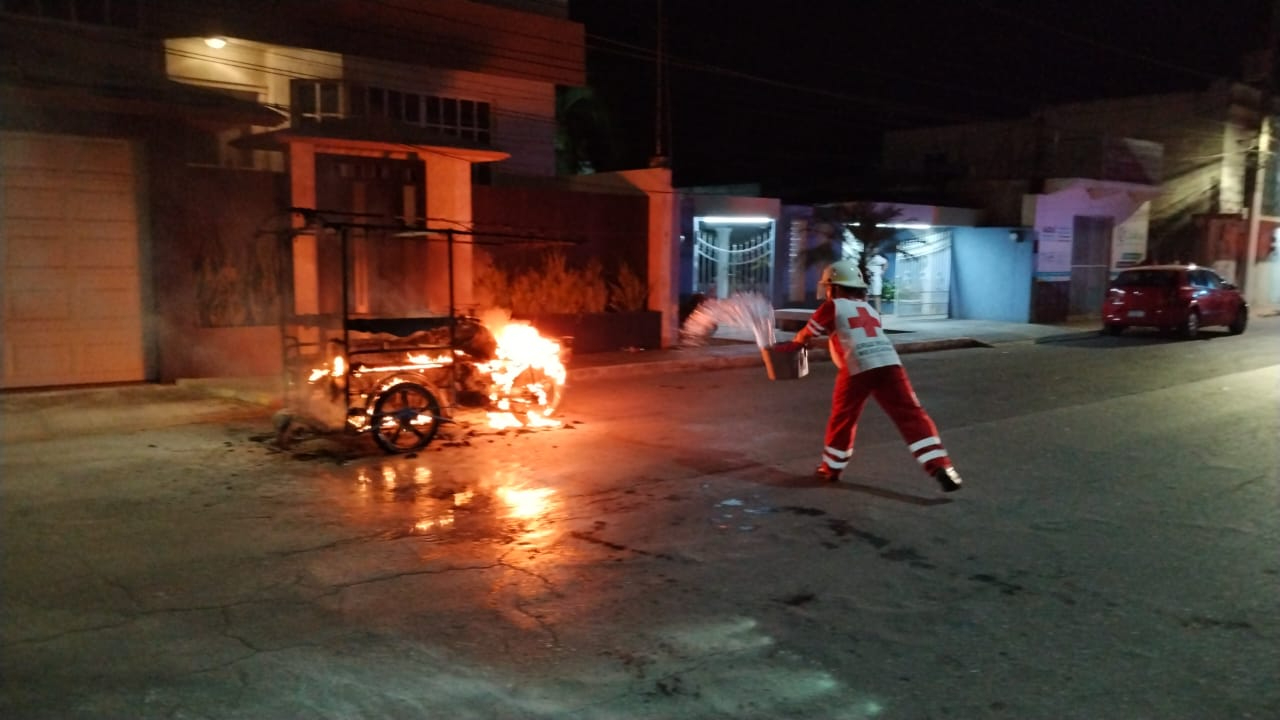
(524, 111)
(453, 34)
(1053, 214)
(217, 275)
(991, 274)
(1205, 136)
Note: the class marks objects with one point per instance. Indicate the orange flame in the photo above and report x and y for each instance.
(528, 377)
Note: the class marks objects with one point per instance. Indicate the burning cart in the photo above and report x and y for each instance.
(372, 361)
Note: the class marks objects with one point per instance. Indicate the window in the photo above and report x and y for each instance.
(113, 13)
(1205, 279)
(452, 117)
(316, 100)
(1147, 278)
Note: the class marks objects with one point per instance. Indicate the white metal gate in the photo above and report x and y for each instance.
(923, 275)
(729, 259)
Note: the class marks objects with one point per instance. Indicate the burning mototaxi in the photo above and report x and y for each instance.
(401, 380)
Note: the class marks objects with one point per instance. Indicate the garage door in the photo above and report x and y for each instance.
(72, 305)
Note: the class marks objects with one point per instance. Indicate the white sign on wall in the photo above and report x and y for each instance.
(1053, 253)
(1130, 239)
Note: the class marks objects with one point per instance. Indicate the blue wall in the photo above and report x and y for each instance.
(991, 274)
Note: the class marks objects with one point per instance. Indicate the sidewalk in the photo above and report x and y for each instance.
(737, 348)
(37, 415)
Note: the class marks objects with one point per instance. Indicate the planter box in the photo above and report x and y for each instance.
(603, 332)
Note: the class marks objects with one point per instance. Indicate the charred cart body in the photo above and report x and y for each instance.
(387, 351)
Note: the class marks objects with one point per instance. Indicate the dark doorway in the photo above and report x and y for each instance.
(1090, 265)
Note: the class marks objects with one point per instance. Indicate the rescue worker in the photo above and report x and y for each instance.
(868, 366)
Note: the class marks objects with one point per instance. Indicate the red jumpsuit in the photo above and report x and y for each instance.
(870, 367)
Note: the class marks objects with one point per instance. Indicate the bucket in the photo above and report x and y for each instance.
(785, 364)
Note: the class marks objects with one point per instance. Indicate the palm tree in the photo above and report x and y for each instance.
(868, 222)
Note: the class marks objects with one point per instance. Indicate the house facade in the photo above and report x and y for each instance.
(150, 151)
(1102, 185)
(1083, 200)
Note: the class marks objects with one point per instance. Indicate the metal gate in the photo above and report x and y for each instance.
(923, 275)
(729, 259)
(1090, 264)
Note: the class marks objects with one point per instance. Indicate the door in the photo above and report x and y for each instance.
(1090, 265)
(1210, 297)
(71, 298)
(923, 276)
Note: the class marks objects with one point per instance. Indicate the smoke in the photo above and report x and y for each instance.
(745, 311)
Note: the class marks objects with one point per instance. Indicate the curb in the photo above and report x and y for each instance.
(751, 359)
(662, 366)
(920, 346)
(1068, 336)
(212, 387)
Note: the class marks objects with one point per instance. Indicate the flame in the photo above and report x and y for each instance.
(527, 378)
(424, 360)
(526, 375)
(336, 368)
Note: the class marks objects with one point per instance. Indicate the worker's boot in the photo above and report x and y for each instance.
(826, 474)
(948, 478)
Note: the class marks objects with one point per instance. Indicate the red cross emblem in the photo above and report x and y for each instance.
(866, 321)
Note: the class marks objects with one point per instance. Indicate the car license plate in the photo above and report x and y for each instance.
(1137, 313)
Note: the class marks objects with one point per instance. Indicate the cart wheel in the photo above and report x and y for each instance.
(405, 418)
(529, 401)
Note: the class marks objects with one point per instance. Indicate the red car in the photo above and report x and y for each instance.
(1179, 298)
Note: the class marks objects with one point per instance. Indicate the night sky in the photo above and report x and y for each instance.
(786, 90)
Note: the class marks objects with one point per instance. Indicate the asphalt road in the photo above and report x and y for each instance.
(664, 555)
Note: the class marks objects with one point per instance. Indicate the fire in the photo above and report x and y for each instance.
(524, 379)
(527, 376)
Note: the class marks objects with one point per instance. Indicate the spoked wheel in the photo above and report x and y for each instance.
(536, 392)
(406, 416)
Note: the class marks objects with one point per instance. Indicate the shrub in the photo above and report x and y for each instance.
(630, 293)
(549, 285)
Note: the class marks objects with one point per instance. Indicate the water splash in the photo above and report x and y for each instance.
(745, 311)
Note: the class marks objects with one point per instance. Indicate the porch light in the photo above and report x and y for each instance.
(897, 226)
(736, 219)
(216, 43)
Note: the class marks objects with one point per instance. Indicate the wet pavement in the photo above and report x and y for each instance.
(649, 561)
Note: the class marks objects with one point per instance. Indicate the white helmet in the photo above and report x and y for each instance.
(844, 273)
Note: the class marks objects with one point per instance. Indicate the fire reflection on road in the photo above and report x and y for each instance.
(503, 507)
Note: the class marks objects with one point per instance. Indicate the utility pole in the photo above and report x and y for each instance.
(1263, 159)
(660, 158)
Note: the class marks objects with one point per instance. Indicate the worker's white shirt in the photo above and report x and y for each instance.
(858, 342)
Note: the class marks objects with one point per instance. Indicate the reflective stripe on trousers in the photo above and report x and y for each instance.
(892, 390)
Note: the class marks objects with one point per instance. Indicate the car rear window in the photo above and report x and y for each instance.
(1146, 278)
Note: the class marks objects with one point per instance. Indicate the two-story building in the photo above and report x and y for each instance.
(1100, 185)
(148, 147)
